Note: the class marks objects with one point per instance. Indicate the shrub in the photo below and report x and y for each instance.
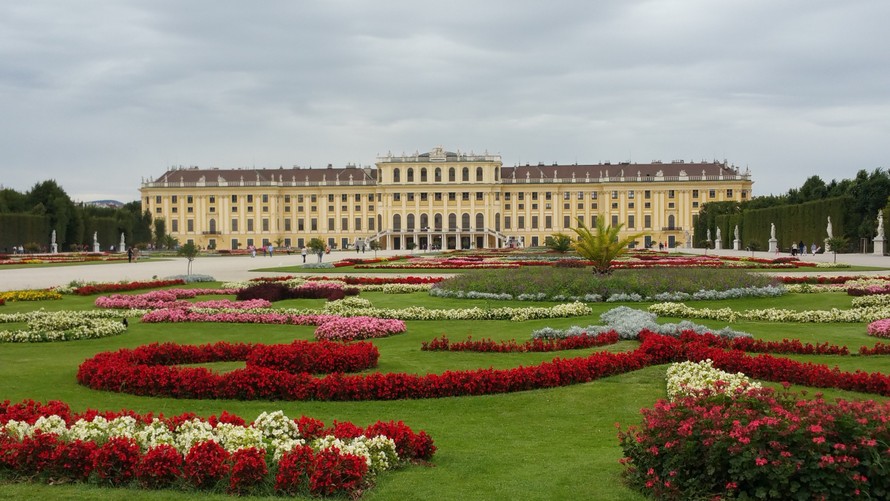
(270, 291)
(205, 464)
(248, 469)
(116, 461)
(571, 282)
(758, 445)
(159, 467)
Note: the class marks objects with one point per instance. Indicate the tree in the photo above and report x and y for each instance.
(559, 242)
(189, 251)
(604, 245)
(160, 232)
(317, 246)
(50, 199)
(835, 244)
(375, 246)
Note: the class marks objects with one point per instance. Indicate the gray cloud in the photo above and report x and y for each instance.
(97, 95)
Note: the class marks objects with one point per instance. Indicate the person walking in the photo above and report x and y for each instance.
(130, 255)
(303, 252)
(801, 248)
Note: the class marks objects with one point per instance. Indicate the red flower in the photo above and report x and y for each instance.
(205, 464)
(159, 467)
(116, 461)
(248, 469)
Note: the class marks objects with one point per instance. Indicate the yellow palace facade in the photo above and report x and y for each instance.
(439, 199)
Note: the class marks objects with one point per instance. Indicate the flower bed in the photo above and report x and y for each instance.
(877, 349)
(29, 295)
(123, 371)
(277, 291)
(879, 328)
(686, 379)
(351, 280)
(44, 326)
(120, 371)
(759, 445)
(534, 345)
(90, 289)
(272, 455)
(352, 328)
(773, 314)
(170, 299)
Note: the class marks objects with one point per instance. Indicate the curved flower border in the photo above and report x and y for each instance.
(117, 372)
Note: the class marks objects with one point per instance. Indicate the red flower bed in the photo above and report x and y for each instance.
(206, 465)
(878, 349)
(150, 370)
(274, 291)
(137, 371)
(350, 280)
(759, 445)
(787, 346)
(533, 345)
(87, 290)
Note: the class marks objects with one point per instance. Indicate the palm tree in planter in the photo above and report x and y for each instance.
(603, 246)
(559, 242)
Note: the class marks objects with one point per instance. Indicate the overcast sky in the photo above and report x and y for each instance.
(98, 95)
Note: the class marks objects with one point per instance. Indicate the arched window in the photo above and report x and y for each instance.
(410, 175)
(438, 222)
(438, 175)
(497, 173)
(211, 225)
(396, 176)
(478, 174)
(452, 221)
(423, 175)
(465, 221)
(480, 221)
(424, 222)
(465, 175)
(410, 221)
(671, 222)
(397, 222)
(451, 178)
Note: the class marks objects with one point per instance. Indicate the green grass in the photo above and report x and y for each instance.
(546, 444)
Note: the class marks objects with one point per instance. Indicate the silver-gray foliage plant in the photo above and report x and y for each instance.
(628, 323)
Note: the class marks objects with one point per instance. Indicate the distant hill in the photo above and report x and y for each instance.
(114, 204)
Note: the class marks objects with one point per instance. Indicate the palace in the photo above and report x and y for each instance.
(438, 199)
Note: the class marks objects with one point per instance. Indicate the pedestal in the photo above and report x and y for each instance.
(54, 248)
(827, 247)
(96, 247)
(737, 244)
(718, 245)
(879, 246)
(773, 245)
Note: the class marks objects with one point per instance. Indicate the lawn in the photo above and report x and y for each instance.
(555, 443)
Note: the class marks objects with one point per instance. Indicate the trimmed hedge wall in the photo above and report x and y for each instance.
(794, 223)
(23, 229)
